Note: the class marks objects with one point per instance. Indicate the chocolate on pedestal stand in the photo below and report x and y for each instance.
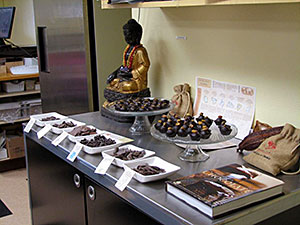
(191, 131)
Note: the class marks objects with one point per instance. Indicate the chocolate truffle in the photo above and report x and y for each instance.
(182, 132)
(200, 117)
(219, 120)
(205, 132)
(163, 128)
(225, 129)
(208, 121)
(164, 118)
(170, 132)
(158, 124)
(195, 136)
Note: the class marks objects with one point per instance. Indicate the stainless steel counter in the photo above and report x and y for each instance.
(151, 198)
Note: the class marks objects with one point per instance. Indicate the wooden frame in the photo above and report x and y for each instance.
(182, 3)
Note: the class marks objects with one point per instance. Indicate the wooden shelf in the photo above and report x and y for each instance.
(183, 3)
(9, 76)
(21, 93)
(15, 121)
(12, 164)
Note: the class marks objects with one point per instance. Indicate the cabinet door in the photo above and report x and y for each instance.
(104, 207)
(54, 196)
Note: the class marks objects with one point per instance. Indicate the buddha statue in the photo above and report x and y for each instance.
(131, 76)
(130, 79)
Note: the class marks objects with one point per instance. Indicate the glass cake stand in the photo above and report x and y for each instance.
(191, 154)
(141, 124)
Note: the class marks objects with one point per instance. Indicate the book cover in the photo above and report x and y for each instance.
(223, 189)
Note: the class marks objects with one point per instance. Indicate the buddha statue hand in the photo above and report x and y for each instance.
(124, 74)
(112, 76)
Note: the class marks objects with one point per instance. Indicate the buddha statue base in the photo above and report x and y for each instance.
(112, 96)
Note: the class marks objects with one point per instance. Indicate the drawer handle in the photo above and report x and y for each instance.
(76, 179)
(91, 192)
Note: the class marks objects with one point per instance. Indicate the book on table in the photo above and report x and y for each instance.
(218, 191)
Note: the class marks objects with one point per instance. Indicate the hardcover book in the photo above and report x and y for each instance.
(217, 191)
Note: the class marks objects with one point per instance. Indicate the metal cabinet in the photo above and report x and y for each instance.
(103, 207)
(60, 194)
(56, 188)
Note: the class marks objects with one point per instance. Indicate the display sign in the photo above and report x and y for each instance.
(104, 164)
(44, 131)
(125, 179)
(235, 102)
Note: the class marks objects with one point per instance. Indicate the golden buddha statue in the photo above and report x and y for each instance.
(131, 77)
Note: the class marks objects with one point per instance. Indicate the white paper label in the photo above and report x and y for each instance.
(104, 164)
(75, 151)
(60, 138)
(44, 131)
(125, 179)
(29, 125)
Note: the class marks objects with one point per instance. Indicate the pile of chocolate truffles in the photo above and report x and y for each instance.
(196, 128)
(83, 131)
(140, 104)
(64, 124)
(98, 141)
(146, 169)
(224, 128)
(128, 154)
(50, 118)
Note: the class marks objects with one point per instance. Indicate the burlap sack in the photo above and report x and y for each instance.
(277, 153)
(182, 100)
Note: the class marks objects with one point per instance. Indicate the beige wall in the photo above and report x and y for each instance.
(23, 33)
(110, 42)
(255, 45)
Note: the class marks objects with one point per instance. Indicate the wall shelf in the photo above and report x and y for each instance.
(9, 76)
(22, 93)
(182, 3)
(15, 121)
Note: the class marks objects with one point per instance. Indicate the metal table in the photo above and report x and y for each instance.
(152, 198)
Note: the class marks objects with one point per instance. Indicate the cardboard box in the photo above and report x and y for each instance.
(2, 69)
(3, 153)
(15, 146)
(29, 85)
(11, 64)
(13, 86)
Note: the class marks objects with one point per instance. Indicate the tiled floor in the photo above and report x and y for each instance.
(14, 193)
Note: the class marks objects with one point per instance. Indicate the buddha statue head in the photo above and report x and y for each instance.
(132, 31)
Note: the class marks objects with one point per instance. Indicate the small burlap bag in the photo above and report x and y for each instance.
(277, 153)
(182, 100)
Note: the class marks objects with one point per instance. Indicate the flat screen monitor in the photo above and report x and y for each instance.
(6, 21)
